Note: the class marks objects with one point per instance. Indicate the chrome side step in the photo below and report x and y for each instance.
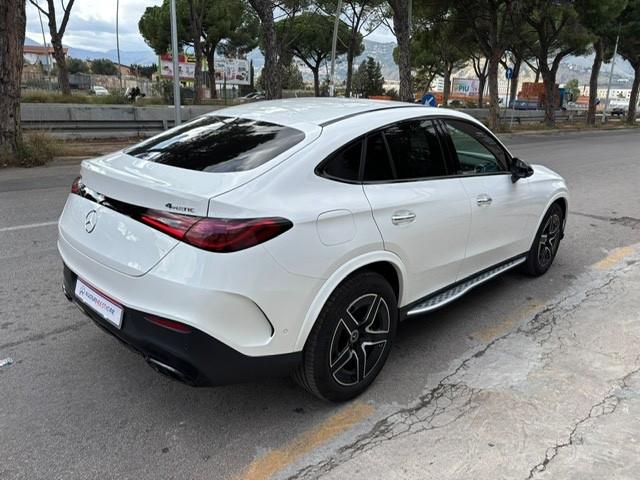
(441, 299)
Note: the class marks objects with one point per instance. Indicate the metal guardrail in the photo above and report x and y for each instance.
(108, 121)
(102, 127)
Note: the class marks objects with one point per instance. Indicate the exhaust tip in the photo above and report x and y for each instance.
(168, 371)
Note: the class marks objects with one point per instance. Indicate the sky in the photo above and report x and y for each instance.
(92, 25)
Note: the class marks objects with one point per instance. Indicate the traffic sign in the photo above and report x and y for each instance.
(508, 73)
(429, 100)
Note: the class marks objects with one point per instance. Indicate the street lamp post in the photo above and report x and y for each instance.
(118, 43)
(46, 49)
(176, 67)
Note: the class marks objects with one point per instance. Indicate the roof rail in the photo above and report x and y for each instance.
(355, 114)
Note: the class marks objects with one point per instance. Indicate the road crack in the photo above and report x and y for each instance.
(606, 406)
(450, 399)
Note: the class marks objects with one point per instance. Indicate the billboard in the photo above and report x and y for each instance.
(236, 71)
(465, 87)
(186, 66)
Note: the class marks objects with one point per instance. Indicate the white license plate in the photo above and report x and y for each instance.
(106, 308)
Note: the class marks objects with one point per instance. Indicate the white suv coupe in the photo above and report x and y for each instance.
(292, 236)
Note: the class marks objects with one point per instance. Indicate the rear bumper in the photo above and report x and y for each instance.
(195, 358)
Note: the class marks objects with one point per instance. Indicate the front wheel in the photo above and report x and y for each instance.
(351, 340)
(545, 245)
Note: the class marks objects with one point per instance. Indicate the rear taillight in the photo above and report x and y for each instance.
(76, 186)
(172, 224)
(217, 234)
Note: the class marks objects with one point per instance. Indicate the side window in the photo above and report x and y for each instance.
(345, 163)
(377, 166)
(477, 152)
(415, 150)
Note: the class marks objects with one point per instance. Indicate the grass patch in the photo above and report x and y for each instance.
(35, 149)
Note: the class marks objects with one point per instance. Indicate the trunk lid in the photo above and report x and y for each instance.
(157, 186)
(125, 244)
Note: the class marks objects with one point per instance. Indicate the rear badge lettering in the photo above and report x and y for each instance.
(179, 208)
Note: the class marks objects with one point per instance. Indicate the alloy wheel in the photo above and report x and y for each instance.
(549, 240)
(359, 339)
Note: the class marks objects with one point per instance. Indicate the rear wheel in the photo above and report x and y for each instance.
(351, 339)
(545, 246)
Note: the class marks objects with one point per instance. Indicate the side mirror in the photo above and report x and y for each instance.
(519, 169)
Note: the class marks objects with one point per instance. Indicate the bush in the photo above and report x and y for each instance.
(35, 149)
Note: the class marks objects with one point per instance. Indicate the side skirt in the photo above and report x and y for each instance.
(449, 294)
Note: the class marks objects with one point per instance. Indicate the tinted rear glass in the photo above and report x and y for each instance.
(345, 163)
(219, 144)
(377, 166)
(415, 150)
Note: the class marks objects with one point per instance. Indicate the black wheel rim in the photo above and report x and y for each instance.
(359, 339)
(549, 240)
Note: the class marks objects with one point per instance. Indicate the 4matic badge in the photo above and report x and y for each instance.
(179, 208)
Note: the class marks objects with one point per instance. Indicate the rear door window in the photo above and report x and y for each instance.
(377, 167)
(415, 150)
(219, 144)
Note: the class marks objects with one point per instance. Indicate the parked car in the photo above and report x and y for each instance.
(99, 91)
(618, 111)
(250, 97)
(524, 105)
(292, 236)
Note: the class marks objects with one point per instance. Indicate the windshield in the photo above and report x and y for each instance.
(218, 144)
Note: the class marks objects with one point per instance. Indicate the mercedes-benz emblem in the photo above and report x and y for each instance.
(90, 221)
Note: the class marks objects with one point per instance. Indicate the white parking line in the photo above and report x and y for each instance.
(30, 225)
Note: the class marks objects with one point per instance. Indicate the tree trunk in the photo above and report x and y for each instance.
(633, 100)
(494, 106)
(271, 71)
(211, 68)
(12, 28)
(350, 51)
(482, 83)
(197, 80)
(598, 48)
(316, 81)
(549, 79)
(61, 65)
(447, 85)
(513, 93)
(196, 35)
(402, 31)
(537, 76)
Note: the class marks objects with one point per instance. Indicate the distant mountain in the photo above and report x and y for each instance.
(141, 57)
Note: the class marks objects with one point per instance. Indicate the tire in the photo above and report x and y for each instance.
(546, 243)
(351, 340)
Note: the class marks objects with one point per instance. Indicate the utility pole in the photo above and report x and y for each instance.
(176, 67)
(613, 63)
(334, 44)
(46, 49)
(118, 43)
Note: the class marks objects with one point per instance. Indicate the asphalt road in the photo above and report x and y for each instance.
(77, 404)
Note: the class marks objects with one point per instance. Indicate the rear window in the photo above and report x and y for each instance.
(218, 144)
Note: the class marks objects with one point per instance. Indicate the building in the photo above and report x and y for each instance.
(35, 53)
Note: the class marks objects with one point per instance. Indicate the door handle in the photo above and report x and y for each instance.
(404, 216)
(483, 200)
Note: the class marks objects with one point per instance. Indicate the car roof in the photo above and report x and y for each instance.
(321, 112)
(311, 110)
